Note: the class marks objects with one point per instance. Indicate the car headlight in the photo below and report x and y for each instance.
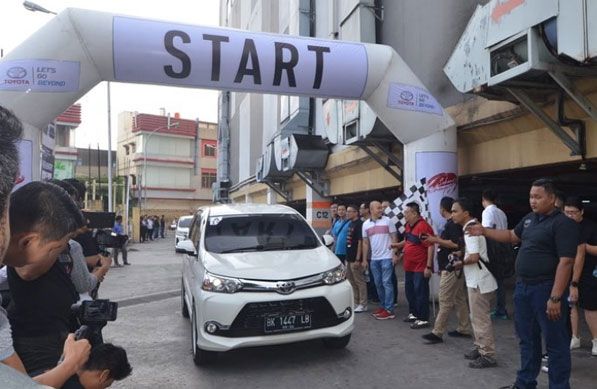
(334, 276)
(219, 284)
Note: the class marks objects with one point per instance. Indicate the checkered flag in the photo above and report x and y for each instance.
(416, 193)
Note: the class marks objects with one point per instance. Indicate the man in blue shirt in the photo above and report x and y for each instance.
(340, 233)
(119, 230)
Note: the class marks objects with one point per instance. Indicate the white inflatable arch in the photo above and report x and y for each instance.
(80, 48)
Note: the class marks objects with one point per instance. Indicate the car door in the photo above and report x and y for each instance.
(193, 262)
(187, 263)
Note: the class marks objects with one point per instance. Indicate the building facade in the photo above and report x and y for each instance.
(171, 161)
(65, 150)
(500, 142)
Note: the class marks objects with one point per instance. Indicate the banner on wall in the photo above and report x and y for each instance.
(25, 174)
(440, 169)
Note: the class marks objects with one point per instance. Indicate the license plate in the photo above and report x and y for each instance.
(290, 322)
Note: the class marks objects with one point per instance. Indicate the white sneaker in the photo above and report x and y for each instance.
(360, 308)
(574, 343)
(545, 369)
(594, 350)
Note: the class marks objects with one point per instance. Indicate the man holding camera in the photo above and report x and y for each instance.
(451, 284)
(481, 287)
(35, 250)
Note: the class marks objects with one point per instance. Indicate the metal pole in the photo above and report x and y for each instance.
(127, 196)
(110, 205)
(99, 175)
(145, 171)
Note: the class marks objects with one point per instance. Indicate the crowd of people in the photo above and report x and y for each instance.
(555, 266)
(52, 262)
(152, 228)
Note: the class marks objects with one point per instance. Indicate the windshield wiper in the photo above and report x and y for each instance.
(301, 246)
(258, 247)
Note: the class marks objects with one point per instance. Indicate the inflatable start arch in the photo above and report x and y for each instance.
(79, 48)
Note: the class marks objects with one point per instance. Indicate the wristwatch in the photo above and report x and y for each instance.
(555, 299)
(574, 284)
(429, 267)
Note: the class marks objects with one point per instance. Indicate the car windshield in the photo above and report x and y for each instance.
(185, 223)
(229, 234)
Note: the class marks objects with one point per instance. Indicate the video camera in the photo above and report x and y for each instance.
(92, 316)
(102, 221)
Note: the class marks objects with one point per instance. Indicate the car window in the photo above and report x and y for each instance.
(185, 223)
(226, 234)
(195, 233)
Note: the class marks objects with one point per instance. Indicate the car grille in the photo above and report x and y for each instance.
(250, 320)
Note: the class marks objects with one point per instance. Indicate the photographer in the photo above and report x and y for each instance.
(75, 353)
(107, 363)
(481, 287)
(451, 284)
(43, 218)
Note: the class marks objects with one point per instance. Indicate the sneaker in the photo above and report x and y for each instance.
(419, 324)
(126, 264)
(458, 334)
(360, 308)
(483, 362)
(594, 349)
(574, 343)
(545, 369)
(513, 386)
(410, 318)
(385, 315)
(431, 338)
(544, 358)
(472, 355)
(378, 311)
(501, 316)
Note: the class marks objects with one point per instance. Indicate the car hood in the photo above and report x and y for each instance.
(271, 265)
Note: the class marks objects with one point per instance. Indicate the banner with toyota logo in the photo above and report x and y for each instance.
(40, 75)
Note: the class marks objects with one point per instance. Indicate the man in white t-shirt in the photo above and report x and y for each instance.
(378, 234)
(493, 217)
(481, 287)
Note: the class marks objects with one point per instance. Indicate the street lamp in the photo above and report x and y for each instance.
(145, 139)
(31, 6)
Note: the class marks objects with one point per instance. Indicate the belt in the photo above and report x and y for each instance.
(535, 280)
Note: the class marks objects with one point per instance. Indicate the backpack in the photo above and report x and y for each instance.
(501, 259)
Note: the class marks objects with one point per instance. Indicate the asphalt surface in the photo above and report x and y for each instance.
(381, 354)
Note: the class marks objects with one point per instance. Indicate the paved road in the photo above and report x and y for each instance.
(380, 355)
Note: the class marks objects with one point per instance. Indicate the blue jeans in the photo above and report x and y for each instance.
(416, 287)
(530, 302)
(382, 270)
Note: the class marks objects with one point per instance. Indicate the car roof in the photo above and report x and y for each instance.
(248, 209)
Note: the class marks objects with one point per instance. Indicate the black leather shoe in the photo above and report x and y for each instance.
(431, 338)
(458, 334)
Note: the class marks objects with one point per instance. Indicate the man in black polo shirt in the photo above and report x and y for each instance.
(544, 265)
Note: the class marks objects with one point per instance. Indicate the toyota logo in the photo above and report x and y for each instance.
(406, 95)
(285, 287)
(16, 72)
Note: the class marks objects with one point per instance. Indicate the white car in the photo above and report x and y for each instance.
(182, 232)
(258, 275)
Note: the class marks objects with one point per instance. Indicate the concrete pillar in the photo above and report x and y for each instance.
(434, 158)
(272, 196)
(247, 198)
(318, 211)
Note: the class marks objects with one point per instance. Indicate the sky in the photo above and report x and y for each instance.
(18, 24)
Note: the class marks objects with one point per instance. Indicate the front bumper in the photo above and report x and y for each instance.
(242, 328)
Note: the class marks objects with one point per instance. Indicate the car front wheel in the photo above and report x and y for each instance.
(200, 357)
(183, 304)
(336, 343)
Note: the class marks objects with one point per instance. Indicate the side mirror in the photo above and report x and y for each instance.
(328, 240)
(188, 247)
